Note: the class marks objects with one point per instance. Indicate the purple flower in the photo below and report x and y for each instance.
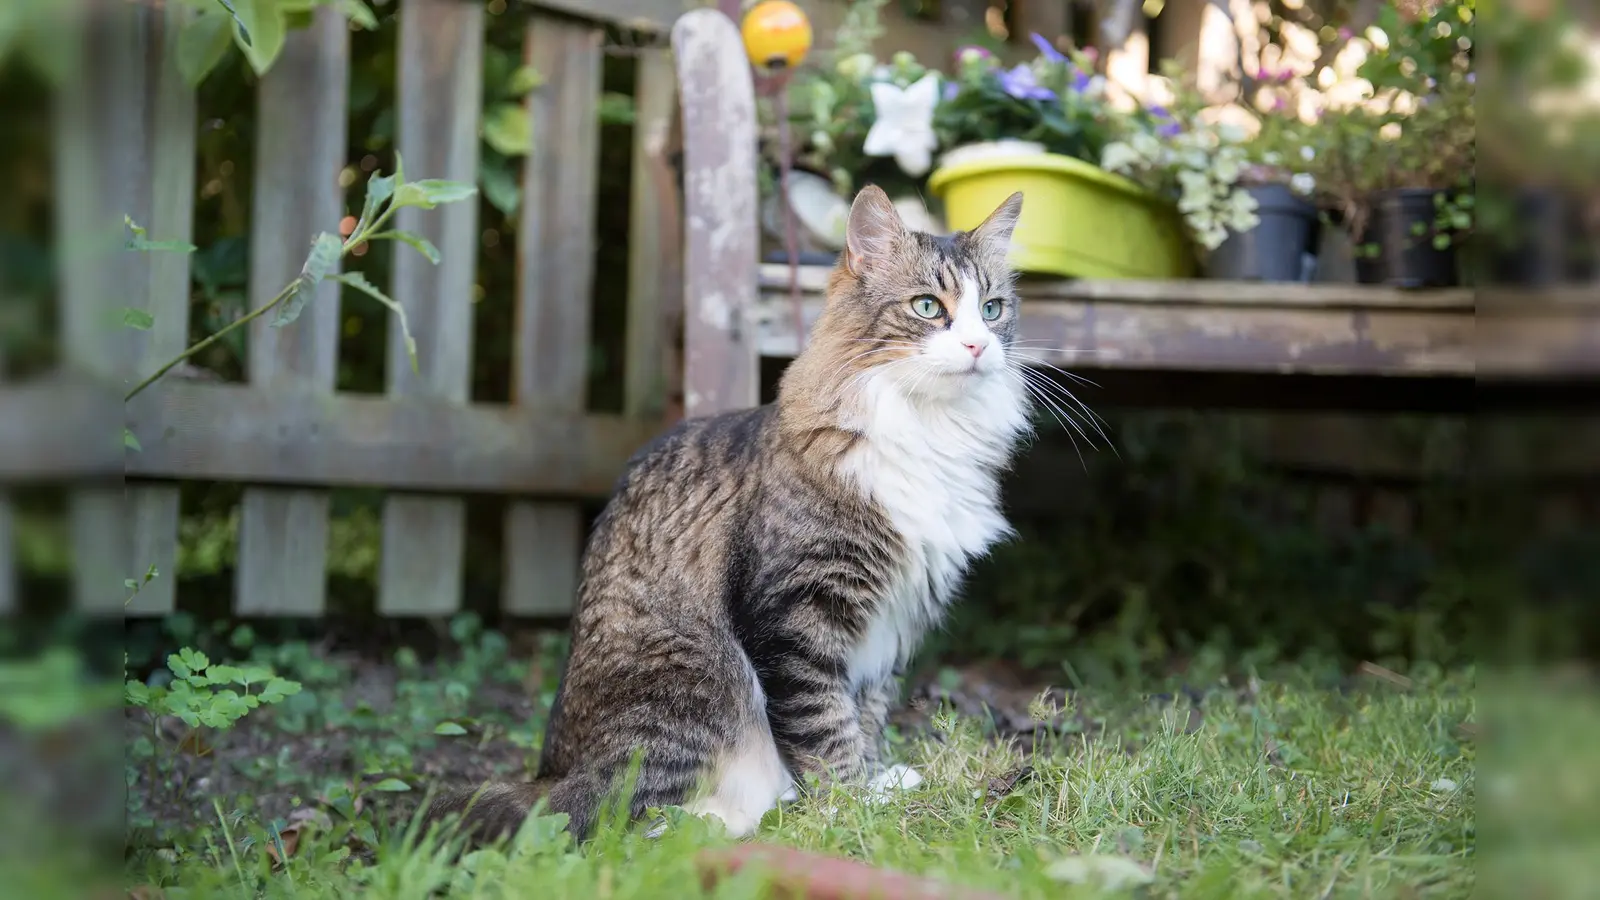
(1020, 83)
(1472, 78)
(1080, 81)
(1169, 126)
(1047, 49)
(951, 89)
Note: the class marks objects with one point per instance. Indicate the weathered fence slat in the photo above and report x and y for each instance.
(8, 537)
(8, 557)
(655, 269)
(170, 217)
(102, 134)
(300, 149)
(556, 257)
(720, 231)
(440, 94)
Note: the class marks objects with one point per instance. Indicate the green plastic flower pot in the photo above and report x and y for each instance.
(1078, 220)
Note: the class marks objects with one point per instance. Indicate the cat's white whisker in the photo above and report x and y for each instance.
(1091, 418)
(1055, 410)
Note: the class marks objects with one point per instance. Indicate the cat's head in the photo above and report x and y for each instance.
(936, 311)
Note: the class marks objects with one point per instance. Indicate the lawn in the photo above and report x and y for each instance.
(1214, 776)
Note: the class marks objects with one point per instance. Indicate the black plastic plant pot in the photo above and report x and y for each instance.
(1397, 248)
(1281, 247)
(1540, 244)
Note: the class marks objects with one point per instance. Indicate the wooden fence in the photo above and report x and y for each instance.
(125, 139)
(125, 144)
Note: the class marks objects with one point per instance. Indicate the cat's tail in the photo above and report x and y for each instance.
(488, 812)
(496, 810)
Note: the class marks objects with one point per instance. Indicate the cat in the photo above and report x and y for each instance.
(758, 577)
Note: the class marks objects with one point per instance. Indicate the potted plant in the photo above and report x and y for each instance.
(854, 121)
(1195, 164)
(1281, 246)
(1397, 170)
(1041, 128)
(1538, 215)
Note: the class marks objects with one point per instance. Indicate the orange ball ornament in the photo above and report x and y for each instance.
(777, 34)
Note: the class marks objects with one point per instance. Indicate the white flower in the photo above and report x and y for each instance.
(1272, 158)
(1303, 182)
(904, 124)
(1227, 169)
(1231, 133)
(1307, 154)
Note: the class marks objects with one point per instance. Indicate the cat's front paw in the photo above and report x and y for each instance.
(898, 777)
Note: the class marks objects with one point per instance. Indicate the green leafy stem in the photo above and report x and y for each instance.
(385, 196)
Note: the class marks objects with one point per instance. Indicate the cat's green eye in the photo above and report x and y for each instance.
(927, 307)
(992, 309)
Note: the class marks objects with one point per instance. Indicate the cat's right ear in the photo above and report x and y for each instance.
(874, 228)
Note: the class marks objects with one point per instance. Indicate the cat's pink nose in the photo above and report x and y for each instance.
(976, 348)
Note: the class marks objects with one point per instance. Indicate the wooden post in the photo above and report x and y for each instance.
(720, 226)
(300, 150)
(556, 255)
(440, 98)
(655, 244)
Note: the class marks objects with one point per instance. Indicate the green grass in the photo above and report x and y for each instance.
(1291, 782)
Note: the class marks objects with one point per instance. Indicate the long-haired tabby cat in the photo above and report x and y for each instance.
(758, 576)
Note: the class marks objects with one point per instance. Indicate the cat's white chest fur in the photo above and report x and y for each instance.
(933, 465)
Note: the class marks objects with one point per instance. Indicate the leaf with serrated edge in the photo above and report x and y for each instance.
(292, 305)
(360, 283)
(325, 252)
(438, 190)
(418, 242)
(431, 192)
(379, 189)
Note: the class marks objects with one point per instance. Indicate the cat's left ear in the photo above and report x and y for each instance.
(996, 230)
(874, 229)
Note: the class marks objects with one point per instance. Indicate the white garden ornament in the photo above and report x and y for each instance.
(903, 127)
